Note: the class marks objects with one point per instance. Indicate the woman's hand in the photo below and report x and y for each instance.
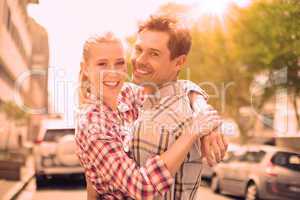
(91, 192)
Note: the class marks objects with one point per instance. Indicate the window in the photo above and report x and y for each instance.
(230, 157)
(268, 121)
(54, 135)
(5, 14)
(287, 160)
(18, 41)
(8, 20)
(252, 156)
(5, 75)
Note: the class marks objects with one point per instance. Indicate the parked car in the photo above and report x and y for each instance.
(208, 171)
(54, 153)
(261, 172)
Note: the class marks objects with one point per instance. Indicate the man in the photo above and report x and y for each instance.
(160, 53)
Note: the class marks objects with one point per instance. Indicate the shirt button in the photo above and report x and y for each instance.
(126, 148)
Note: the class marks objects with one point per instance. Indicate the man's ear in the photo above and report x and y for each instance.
(180, 62)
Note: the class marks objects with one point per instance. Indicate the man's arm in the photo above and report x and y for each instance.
(213, 145)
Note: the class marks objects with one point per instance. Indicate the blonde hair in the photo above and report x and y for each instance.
(83, 77)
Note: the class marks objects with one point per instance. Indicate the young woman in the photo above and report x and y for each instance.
(107, 107)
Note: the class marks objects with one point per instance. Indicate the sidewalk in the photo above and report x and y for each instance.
(10, 189)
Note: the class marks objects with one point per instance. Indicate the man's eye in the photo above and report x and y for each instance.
(154, 54)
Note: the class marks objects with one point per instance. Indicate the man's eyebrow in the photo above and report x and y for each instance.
(138, 46)
(156, 50)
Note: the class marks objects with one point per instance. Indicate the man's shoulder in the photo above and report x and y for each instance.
(170, 110)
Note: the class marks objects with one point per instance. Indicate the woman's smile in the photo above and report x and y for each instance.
(111, 84)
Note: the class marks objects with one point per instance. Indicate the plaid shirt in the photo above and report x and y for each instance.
(161, 121)
(101, 147)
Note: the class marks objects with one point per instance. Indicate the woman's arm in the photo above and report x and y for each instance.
(109, 160)
(175, 155)
(91, 192)
(103, 154)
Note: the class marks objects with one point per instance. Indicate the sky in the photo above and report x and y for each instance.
(70, 22)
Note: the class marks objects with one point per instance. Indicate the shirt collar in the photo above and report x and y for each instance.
(121, 107)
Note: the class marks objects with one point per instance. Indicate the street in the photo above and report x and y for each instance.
(75, 190)
(62, 188)
(204, 192)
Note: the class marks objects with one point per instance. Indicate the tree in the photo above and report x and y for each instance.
(266, 36)
(15, 115)
(212, 63)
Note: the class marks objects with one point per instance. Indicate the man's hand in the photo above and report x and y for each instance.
(213, 147)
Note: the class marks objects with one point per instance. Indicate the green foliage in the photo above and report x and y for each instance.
(13, 112)
(267, 34)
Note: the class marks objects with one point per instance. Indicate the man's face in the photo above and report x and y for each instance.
(151, 59)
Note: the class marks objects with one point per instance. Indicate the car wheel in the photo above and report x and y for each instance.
(251, 192)
(215, 184)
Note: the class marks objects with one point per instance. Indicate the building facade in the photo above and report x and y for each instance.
(24, 58)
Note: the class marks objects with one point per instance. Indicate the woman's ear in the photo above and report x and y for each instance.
(83, 68)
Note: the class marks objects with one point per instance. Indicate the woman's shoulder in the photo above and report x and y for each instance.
(93, 124)
(89, 118)
(132, 95)
(87, 111)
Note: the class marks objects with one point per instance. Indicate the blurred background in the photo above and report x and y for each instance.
(245, 54)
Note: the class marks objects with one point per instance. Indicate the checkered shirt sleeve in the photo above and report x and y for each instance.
(101, 153)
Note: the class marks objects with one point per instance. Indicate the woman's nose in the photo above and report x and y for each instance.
(115, 71)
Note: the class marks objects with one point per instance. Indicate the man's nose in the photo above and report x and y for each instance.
(141, 59)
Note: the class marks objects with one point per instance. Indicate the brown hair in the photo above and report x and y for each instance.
(83, 77)
(180, 40)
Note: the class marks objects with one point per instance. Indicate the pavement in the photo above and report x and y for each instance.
(74, 189)
(11, 189)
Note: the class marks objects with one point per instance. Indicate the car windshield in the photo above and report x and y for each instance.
(287, 160)
(54, 134)
(252, 156)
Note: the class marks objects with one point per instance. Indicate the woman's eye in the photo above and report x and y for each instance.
(101, 64)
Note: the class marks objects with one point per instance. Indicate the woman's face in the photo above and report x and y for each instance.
(107, 69)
